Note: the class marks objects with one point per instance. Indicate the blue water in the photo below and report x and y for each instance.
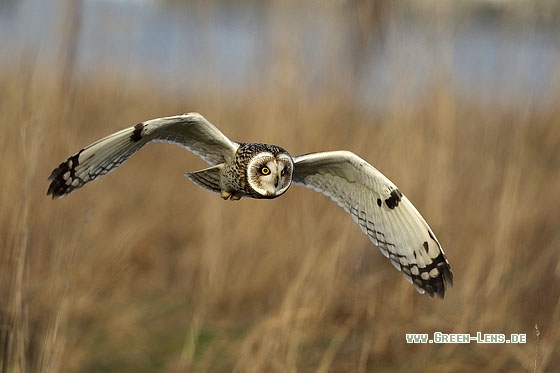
(232, 45)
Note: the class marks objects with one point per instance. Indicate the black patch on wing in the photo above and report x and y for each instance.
(394, 199)
(63, 176)
(435, 285)
(137, 133)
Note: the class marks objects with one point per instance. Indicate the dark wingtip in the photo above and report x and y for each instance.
(57, 187)
(435, 286)
(430, 291)
(445, 278)
(447, 275)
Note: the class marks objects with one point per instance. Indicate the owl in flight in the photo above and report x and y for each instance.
(266, 171)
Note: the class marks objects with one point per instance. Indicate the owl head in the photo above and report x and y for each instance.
(269, 171)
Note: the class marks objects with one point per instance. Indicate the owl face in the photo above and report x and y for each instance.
(270, 175)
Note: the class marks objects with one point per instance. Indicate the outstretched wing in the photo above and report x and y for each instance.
(382, 212)
(191, 131)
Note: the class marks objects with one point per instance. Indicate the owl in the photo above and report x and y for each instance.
(264, 171)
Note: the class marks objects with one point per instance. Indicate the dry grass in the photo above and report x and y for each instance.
(143, 271)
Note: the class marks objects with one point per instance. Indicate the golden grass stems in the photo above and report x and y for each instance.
(143, 271)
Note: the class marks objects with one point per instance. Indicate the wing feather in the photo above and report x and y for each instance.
(191, 131)
(382, 212)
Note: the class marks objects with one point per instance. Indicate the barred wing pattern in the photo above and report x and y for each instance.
(382, 212)
(191, 131)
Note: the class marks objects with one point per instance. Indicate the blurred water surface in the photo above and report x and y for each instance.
(483, 53)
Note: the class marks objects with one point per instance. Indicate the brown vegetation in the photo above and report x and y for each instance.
(143, 271)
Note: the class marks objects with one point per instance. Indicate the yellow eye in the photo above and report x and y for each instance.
(265, 170)
(282, 173)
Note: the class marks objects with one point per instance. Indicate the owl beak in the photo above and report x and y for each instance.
(276, 180)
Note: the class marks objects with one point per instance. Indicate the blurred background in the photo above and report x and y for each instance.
(456, 102)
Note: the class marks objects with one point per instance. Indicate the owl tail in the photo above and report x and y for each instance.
(208, 178)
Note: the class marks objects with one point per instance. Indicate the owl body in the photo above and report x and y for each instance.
(261, 171)
(265, 171)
